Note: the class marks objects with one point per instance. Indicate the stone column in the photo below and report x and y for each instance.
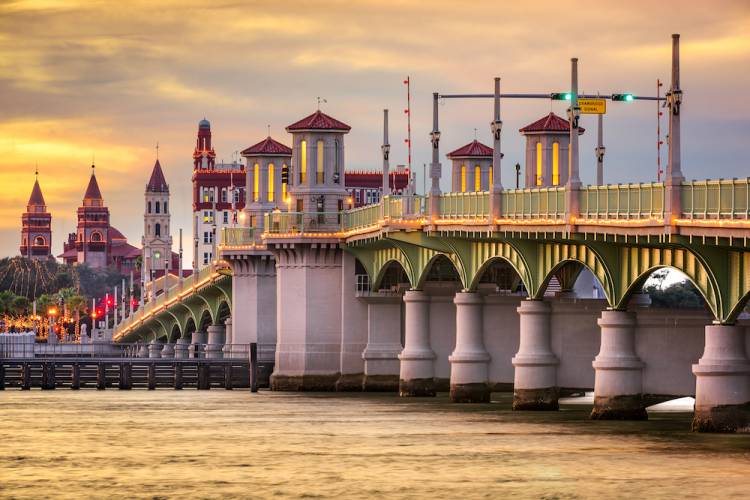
(196, 349)
(722, 382)
(417, 376)
(181, 348)
(142, 351)
(470, 360)
(618, 387)
(168, 351)
(229, 338)
(535, 379)
(216, 337)
(154, 349)
(383, 343)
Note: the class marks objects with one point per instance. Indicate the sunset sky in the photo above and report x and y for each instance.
(111, 79)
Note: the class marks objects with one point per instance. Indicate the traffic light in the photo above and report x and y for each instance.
(623, 97)
(110, 301)
(561, 96)
(285, 174)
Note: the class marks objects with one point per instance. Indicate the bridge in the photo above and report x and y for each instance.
(452, 291)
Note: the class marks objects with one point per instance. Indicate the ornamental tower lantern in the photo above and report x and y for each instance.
(472, 167)
(267, 168)
(547, 146)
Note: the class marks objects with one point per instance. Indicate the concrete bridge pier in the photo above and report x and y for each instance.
(168, 351)
(383, 344)
(469, 360)
(535, 377)
(216, 339)
(196, 349)
(228, 338)
(154, 349)
(722, 389)
(417, 377)
(142, 351)
(618, 386)
(181, 348)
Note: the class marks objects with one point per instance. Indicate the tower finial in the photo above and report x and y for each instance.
(320, 99)
(475, 133)
(93, 162)
(36, 172)
(269, 130)
(157, 150)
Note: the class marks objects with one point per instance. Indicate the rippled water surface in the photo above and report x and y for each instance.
(187, 444)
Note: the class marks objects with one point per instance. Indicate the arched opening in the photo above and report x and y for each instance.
(223, 313)
(39, 241)
(96, 236)
(204, 322)
(498, 276)
(189, 330)
(392, 278)
(667, 288)
(174, 334)
(440, 273)
(157, 229)
(568, 276)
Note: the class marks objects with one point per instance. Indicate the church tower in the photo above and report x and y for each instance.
(36, 226)
(204, 157)
(157, 240)
(93, 240)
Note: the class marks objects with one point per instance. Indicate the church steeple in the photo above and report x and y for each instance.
(157, 240)
(36, 225)
(93, 196)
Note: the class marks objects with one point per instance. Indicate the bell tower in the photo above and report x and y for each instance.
(157, 239)
(36, 226)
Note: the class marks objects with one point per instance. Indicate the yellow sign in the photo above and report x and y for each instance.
(592, 106)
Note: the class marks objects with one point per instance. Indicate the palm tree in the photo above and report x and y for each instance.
(77, 303)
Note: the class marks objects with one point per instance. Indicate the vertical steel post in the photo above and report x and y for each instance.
(496, 184)
(674, 168)
(254, 367)
(386, 150)
(574, 179)
(600, 150)
(435, 165)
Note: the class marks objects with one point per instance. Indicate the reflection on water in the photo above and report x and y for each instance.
(174, 444)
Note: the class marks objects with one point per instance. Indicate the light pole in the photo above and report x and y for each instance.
(496, 185)
(518, 175)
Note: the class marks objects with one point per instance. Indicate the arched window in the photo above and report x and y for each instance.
(463, 178)
(165, 208)
(283, 185)
(538, 163)
(256, 182)
(157, 229)
(157, 208)
(303, 162)
(96, 236)
(489, 180)
(39, 241)
(149, 207)
(555, 163)
(148, 230)
(270, 182)
(477, 178)
(321, 173)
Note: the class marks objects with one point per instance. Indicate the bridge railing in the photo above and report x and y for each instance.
(237, 236)
(622, 201)
(119, 350)
(361, 217)
(536, 203)
(278, 222)
(716, 199)
(470, 205)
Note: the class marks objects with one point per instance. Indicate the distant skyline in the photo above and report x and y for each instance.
(98, 79)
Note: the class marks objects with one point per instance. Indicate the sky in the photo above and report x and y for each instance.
(108, 80)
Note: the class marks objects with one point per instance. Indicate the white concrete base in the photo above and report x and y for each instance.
(381, 363)
(167, 351)
(154, 350)
(618, 388)
(722, 386)
(215, 344)
(417, 375)
(535, 378)
(469, 360)
(181, 348)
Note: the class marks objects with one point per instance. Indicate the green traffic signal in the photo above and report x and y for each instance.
(623, 97)
(561, 96)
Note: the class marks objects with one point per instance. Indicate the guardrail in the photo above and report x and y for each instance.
(362, 217)
(470, 205)
(123, 350)
(537, 203)
(622, 201)
(278, 222)
(237, 236)
(716, 199)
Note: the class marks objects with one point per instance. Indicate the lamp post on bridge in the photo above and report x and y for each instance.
(435, 165)
(574, 113)
(496, 185)
(674, 167)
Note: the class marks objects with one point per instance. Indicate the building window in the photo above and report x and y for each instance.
(271, 179)
(236, 195)
(226, 217)
(477, 178)
(204, 190)
(208, 237)
(321, 175)
(223, 195)
(96, 236)
(539, 164)
(149, 206)
(303, 162)
(157, 229)
(158, 208)
(489, 180)
(165, 208)
(358, 196)
(206, 258)
(336, 169)
(555, 163)
(38, 241)
(463, 178)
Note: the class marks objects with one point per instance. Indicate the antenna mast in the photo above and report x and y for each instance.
(407, 82)
(659, 142)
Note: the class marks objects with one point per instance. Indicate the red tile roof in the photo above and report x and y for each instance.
(267, 147)
(157, 183)
(474, 149)
(92, 191)
(318, 121)
(125, 250)
(36, 198)
(549, 123)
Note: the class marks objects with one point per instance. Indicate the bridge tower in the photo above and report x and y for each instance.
(266, 190)
(472, 167)
(157, 239)
(547, 146)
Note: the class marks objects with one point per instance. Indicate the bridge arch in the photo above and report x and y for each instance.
(174, 334)
(205, 321)
(446, 264)
(391, 267)
(187, 333)
(222, 313)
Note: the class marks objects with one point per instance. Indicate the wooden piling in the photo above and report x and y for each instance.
(126, 380)
(254, 367)
(75, 376)
(178, 376)
(101, 376)
(203, 377)
(26, 374)
(2, 377)
(48, 376)
(151, 375)
(228, 377)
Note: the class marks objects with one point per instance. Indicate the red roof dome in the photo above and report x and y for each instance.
(318, 121)
(267, 147)
(549, 123)
(474, 149)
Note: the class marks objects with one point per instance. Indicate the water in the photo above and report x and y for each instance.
(188, 444)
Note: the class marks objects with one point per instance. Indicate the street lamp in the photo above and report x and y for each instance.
(518, 175)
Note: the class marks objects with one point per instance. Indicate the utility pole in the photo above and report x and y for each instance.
(435, 165)
(386, 148)
(574, 113)
(674, 168)
(518, 175)
(600, 150)
(179, 269)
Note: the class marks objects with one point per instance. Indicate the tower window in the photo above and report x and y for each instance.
(96, 236)
(477, 178)
(149, 207)
(539, 164)
(157, 228)
(463, 178)
(336, 169)
(320, 167)
(270, 182)
(256, 182)
(38, 241)
(165, 208)
(157, 208)
(303, 162)
(555, 163)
